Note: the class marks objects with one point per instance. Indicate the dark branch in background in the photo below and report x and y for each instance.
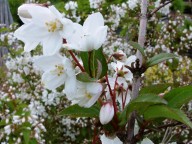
(158, 8)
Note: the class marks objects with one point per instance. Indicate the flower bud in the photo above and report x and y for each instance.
(120, 55)
(106, 113)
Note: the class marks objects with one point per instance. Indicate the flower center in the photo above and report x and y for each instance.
(54, 25)
(59, 69)
(88, 95)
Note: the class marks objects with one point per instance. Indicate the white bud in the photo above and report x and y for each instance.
(106, 113)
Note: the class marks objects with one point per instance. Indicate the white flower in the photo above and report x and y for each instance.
(46, 26)
(120, 66)
(87, 94)
(90, 36)
(147, 141)
(106, 113)
(71, 5)
(133, 4)
(7, 129)
(107, 140)
(58, 70)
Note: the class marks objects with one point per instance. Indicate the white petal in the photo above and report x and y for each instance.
(52, 44)
(70, 85)
(47, 63)
(93, 22)
(94, 88)
(100, 37)
(41, 15)
(74, 40)
(147, 141)
(130, 59)
(30, 46)
(51, 80)
(92, 100)
(31, 32)
(114, 140)
(87, 43)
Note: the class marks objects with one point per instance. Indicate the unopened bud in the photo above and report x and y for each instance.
(119, 56)
(106, 113)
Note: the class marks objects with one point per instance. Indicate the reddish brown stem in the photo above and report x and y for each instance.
(76, 61)
(113, 98)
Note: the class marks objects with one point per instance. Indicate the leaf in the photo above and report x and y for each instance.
(90, 62)
(33, 141)
(99, 69)
(155, 89)
(2, 123)
(85, 58)
(159, 58)
(179, 96)
(163, 111)
(77, 111)
(100, 56)
(84, 77)
(140, 104)
(26, 136)
(138, 47)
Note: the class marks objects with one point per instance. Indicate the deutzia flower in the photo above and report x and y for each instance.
(87, 93)
(90, 36)
(107, 140)
(106, 113)
(119, 66)
(58, 70)
(146, 141)
(46, 26)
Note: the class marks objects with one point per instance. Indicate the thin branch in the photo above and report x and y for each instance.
(76, 61)
(158, 8)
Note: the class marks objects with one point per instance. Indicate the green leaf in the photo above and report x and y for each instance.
(162, 111)
(99, 56)
(26, 135)
(2, 123)
(155, 89)
(84, 77)
(77, 111)
(179, 96)
(138, 47)
(91, 65)
(85, 58)
(159, 58)
(140, 104)
(33, 141)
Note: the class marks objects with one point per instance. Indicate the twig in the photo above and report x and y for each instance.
(158, 8)
(76, 61)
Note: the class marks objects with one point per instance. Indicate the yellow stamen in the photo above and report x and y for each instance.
(54, 25)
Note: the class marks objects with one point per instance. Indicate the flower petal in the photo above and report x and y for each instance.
(70, 85)
(30, 46)
(100, 37)
(93, 22)
(41, 15)
(52, 43)
(47, 63)
(51, 80)
(94, 88)
(30, 32)
(92, 100)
